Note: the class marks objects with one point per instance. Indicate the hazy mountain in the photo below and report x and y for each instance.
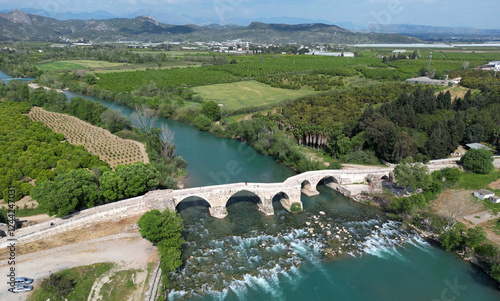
(422, 30)
(98, 14)
(18, 25)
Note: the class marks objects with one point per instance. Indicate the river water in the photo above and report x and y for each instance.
(250, 256)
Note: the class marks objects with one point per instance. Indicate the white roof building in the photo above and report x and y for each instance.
(483, 194)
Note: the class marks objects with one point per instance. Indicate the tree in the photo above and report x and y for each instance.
(157, 226)
(144, 117)
(68, 192)
(412, 175)
(211, 109)
(128, 181)
(24, 93)
(341, 145)
(404, 147)
(452, 238)
(475, 236)
(455, 205)
(478, 161)
(114, 121)
(167, 137)
(59, 284)
(473, 133)
(164, 229)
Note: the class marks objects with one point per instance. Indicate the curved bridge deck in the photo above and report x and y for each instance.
(290, 190)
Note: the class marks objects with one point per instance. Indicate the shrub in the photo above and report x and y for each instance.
(478, 161)
(296, 207)
(452, 174)
(202, 122)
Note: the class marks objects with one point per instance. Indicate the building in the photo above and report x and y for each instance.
(325, 53)
(483, 194)
(424, 80)
(491, 66)
(477, 146)
(495, 199)
(399, 51)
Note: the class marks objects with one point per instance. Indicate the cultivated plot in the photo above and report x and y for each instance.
(77, 64)
(110, 148)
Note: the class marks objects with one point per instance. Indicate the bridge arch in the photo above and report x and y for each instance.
(190, 201)
(287, 201)
(243, 196)
(327, 180)
(305, 185)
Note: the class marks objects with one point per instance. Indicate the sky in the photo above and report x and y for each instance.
(363, 13)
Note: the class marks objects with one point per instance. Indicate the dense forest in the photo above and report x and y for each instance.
(418, 123)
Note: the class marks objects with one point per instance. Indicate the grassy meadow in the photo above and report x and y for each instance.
(247, 94)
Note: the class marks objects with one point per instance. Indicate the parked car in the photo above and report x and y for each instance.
(23, 280)
(22, 289)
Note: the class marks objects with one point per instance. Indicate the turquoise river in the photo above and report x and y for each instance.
(250, 256)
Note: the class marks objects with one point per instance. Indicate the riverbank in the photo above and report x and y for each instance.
(475, 260)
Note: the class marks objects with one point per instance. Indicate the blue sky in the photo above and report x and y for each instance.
(460, 13)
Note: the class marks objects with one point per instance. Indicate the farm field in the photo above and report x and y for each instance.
(143, 67)
(247, 94)
(261, 68)
(77, 64)
(110, 148)
(457, 91)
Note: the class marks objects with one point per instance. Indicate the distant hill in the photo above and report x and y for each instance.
(18, 25)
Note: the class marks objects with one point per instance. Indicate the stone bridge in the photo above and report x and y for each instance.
(288, 191)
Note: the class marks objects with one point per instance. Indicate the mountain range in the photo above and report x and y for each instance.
(18, 25)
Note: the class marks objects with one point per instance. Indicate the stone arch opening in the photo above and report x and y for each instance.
(193, 203)
(385, 178)
(242, 199)
(306, 185)
(329, 181)
(279, 196)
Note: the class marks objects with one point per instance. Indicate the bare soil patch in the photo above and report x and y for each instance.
(125, 225)
(110, 148)
(441, 205)
(495, 185)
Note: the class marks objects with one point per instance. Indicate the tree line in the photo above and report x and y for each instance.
(416, 122)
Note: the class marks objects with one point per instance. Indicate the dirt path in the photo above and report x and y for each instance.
(95, 291)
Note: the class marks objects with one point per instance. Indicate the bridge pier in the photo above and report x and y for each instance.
(266, 205)
(310, 191)
(218, 211)
(293, 198)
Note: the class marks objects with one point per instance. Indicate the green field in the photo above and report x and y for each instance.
(82, 279)
(76, 64)
(247, 94)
